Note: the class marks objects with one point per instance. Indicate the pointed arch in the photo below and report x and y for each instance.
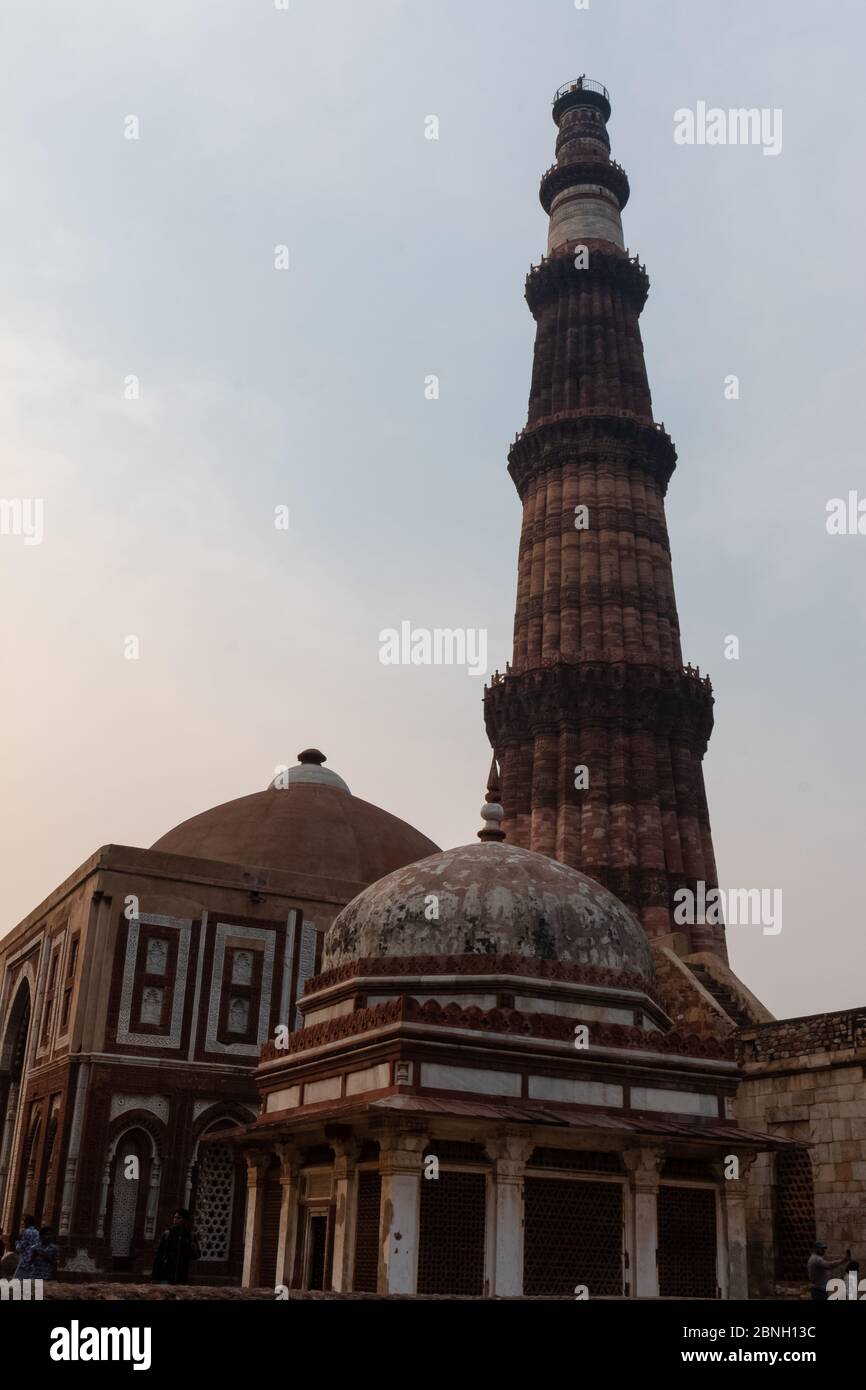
(216, 1189)
(131, 1180)
(14, 1046)
(13, 1050)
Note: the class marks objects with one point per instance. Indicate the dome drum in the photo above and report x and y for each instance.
(486, 983)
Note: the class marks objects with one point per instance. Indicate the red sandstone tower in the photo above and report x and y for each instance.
(597, 678)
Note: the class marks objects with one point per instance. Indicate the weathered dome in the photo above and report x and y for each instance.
(490, 899)
(306, 822)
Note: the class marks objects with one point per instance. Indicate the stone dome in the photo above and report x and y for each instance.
(306, 822)
(491, 899)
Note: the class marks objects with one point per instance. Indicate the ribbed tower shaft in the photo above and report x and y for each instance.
(597, 679)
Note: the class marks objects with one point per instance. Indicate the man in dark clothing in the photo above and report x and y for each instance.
(45, 1255)
(176, 1248)
(819, 1268)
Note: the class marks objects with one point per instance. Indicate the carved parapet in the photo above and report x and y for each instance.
(589, 434)
(605, 172)
(406, 1009)
(641, 698)
(609, 265)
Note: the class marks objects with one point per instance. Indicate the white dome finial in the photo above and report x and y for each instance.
(491, 812)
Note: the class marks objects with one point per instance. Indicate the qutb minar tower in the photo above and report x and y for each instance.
(598, 726)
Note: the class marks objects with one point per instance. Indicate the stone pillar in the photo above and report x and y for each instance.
(73, 1152)
(401, 1161)
(152, 1208)
(258, 1162)
(290, 1163)
(734, 1192)
(103, 1195)
(509, 1152)
(345, 1193)
(645, 1166)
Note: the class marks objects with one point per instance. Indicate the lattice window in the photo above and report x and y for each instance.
(214, 1202)
(573, 1235)
(451, 1247)
(124, 1198)
(687, 1242)
(318, 1256)
(271, 1204)
(794, 1215)
(582, 1161)
(367, 1232)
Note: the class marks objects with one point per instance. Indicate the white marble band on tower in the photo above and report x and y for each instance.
(585, 211)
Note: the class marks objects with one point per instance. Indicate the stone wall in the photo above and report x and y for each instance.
(805, 1079)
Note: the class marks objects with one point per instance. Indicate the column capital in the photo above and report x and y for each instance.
(401, 1145)
(510, 1151)
(344, 1144)
(645, 1166)
(258, 1161)
(290, 1160)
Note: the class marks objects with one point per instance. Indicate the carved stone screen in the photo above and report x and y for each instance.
(572, 1236)
(271, 1204)
(367, 1232)
(215, 1201)
(124, 1195)
(451, 1248)
(687, 1242)
(794, 1215)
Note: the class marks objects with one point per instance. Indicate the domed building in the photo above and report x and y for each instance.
(135, 1001)
(487, 1097)
(308, 823)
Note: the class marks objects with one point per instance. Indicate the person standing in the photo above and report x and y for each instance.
(819, 1268)
(45, 1255)
(25, 1245)
(177, 1247)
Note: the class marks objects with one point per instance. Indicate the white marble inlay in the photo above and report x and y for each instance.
(183, 926)
(306, 964)
(574, 1092)
(675, 1102)
(482, 1082)
(121, 1102)
(223, 931)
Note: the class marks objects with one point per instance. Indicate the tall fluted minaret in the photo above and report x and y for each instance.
(598, 728)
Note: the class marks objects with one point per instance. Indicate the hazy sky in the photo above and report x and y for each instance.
(304, 387)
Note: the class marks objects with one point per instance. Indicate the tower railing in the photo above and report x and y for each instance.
(584, 84)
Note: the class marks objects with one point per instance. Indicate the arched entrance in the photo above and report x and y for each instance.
(216, 1192)
(129, 1197)
(13, 1056)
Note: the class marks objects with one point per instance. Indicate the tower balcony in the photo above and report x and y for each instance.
(583, 91)
(604, 172)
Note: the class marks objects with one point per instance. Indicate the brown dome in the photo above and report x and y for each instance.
(307, 822)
